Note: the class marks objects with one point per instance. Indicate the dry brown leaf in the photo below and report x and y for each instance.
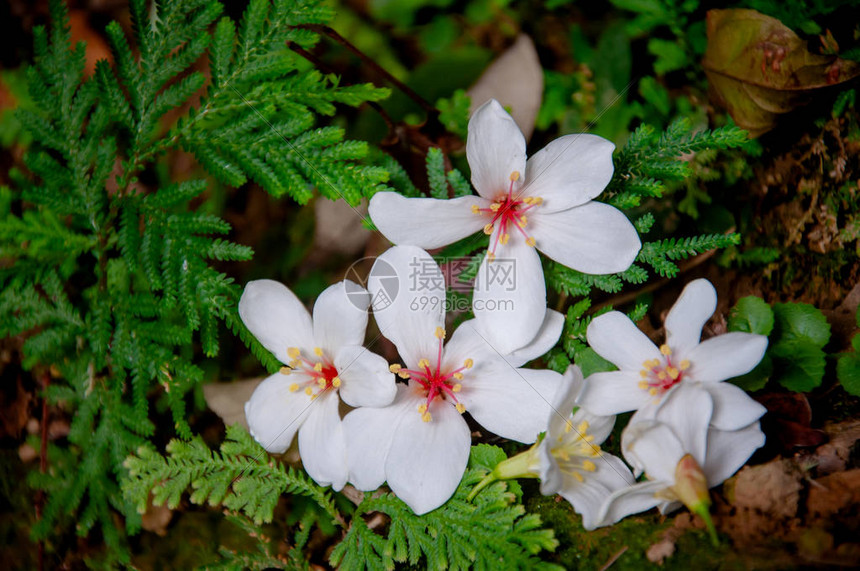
(156, 518)
(227, 400)
(338, 226)
(515, 80)
(759, 69)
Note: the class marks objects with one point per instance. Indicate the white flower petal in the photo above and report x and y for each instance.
(613, 392)
(729, 450)
(369, 433)
(569, 171)
(510, 296)
(733, 407)
(633, 500)
(617, 339)
(407, 290)
(340, 316)
(654, 448)
(321, 443)
(513, 403)
(427, 459)
(545, 339)
(468, 342)
(726, 356)
(594, 238)
(274, 414)
(276, 317)
(426, 222)
(365, 378)
(587, 497)
(495, 148)
(599, 426)
(687, 409)
(569, 389)
(685, 320)
(551, 477)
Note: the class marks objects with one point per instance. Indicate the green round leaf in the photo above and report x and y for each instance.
(751, 315)
(801, 322)
(800, 365)
(848, 372)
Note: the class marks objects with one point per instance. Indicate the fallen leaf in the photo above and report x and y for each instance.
(515, 80)
(156, 518)
(759, 69)
(338, 226)
(788, 421)
(227, 400)
(835, 456)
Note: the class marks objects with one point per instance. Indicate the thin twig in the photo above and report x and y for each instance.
(613, 559)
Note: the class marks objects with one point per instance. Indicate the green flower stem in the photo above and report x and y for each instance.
(514, 467)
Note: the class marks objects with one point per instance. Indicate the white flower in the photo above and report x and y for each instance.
(325, 357)
(544, 202)
(647, 374)
(420, 443)
(681, 458)
(568, 460)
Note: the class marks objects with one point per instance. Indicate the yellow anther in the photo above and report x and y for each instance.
(523, 220)
(457, 388)
(595, 449)
(285, 370)
(321, 383)
(589, 466)
(458, 376)
(318, 351)
(293, 352)
(643, 373)
(309, 391)
(426, 417)
(491, 256)
(403, 375)
(685, 364)
(578, 477)
(563, 454)
(583, 427)
(314, 397)
(652, 391)
(294, 387)
(588, 437)
(295, 363)
(665, 349)
(515, 176)
(318, 367)
(395, 368)
(468, 363)
(439, 333)
(423, 363)
(568, 426)
(536, 200)
(495, 206)
(673, 372)
(422, 408)
(662, 375)
(336, 382)
(461, 408)
(488, 229)
(528, 200)
(531, 241)
(475, 209)
(504, 239)
(643, 385)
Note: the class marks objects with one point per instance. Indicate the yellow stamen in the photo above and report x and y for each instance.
(488, 229)
(403, 375)
(589, 466)
(318, 367)
(321, 383)
(568, 426)
(336, 382)
(317, 351)
(423, 363)
(395, 368)
(426, 417)
(475, 209)
(457, 388)
(495, 207)
(458, 376)
(295, 363)
(583, 427)
(503, 239)
(515, 176)
(460, 408)
(285, 370)
(652, 391)
(643, 373)
(523, 220)
(528, 200)
(643, 385)
(491, 256)
(564, 455)
(309, 391)
(578, 477)
(468, 363)
(422, 408)
(440, 333)
(293, 352)
(294, 387)
(531, 241)
(314, 397)
(536, 200)
(665, 349)
(662, 375)
(673, 372)
(685, 364)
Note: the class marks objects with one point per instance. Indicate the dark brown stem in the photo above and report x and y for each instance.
(326, 31)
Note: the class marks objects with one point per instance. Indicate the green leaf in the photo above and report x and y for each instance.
(800, 366)
(670, 55)
(801, 322)
(751, 314)
(590, 362)
(756, 379)
(848, 372)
